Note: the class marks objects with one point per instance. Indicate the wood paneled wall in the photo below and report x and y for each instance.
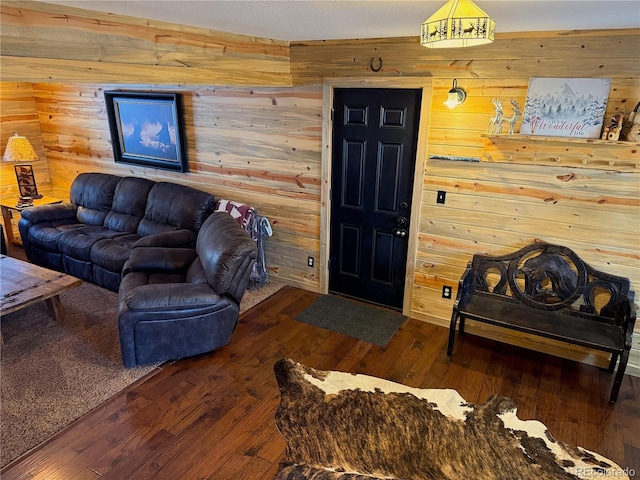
(256, 147)
(576, 194)
(253, 137)
(44, 42)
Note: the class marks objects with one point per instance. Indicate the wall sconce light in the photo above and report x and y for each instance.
(456, 95)
(18, 151)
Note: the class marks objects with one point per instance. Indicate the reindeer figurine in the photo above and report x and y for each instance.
(512, 119)
(494, 122)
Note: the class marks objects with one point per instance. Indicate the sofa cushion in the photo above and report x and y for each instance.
(46, 235)
(171, 206)
(137, 279)
(175, 296)
(93, 193)
(77, 243)
(129, 204)
(112, 253)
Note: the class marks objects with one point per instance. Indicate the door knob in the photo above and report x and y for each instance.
(400, 232)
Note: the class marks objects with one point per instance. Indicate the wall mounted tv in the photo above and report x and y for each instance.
(147, 129)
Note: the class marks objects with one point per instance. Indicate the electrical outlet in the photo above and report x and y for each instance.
(310, 261)
(446, 291)
(441, 196)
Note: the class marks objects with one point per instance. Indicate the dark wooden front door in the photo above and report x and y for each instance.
(375, 134)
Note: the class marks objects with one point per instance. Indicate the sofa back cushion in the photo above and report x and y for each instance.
(129, 204)
(227, 253)
(171, 206)
(92, 194)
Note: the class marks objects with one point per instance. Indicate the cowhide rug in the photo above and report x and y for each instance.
(352, 427)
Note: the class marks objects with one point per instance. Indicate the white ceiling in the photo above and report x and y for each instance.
(342, 19)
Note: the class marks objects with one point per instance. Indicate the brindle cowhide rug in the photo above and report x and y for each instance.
(355, 427)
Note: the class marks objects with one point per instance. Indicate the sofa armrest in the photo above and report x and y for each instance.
(159, 259)
(50, 213)
(172, 239)
(170, 296)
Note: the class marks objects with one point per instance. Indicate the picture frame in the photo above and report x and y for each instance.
(147, 129)
(26, 181)
(565, 107)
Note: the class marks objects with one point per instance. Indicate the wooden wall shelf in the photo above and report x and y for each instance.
(562, 151)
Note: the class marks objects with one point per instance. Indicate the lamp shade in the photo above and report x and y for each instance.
(458, 23)
(19, 149)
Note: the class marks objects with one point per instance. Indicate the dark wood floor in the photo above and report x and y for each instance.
(213, 416)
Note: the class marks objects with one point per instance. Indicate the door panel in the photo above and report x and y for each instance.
(350, 236)
(388, 175)
(374, 148)
(353, 174)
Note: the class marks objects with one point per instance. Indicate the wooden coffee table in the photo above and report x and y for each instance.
(23, 284)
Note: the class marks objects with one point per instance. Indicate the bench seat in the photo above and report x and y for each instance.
(561, 326)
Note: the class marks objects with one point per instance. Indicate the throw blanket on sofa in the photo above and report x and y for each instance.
(240, 211)
(258, 227)
(340, 426)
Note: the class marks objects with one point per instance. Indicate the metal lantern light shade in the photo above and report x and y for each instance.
(19, 151)
(455, 96)
(458, 23)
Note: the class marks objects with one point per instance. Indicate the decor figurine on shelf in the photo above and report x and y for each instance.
(633, 135)
(494, 122)
(513, 119)
(612, 131)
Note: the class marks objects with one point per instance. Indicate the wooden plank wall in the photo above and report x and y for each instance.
(254, 137)
(44, 42)
(249, 139)
(592, 207)
(256, 147)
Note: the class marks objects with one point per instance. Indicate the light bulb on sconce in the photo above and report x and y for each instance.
(456, 95)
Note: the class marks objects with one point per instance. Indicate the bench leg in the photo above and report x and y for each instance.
(619, 376)
(452, 332)
(612, 363)
(461, 329)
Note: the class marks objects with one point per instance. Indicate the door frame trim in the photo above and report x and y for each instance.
(329, 84)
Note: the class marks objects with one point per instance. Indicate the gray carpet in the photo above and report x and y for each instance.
(365, 322)
(53, 373)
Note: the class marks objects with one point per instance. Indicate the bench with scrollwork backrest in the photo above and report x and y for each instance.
(548, 291)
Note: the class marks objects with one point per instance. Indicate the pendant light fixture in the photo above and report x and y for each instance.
(458, 23)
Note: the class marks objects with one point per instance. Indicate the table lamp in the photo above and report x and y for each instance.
(18, 151)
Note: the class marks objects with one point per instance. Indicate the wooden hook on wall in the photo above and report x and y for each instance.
(379, 64)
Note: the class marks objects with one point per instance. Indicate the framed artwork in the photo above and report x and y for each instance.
(565, 107)
(147, 129)
(26, 181)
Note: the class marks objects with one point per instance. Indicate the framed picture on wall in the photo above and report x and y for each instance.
(147, 129)
(565, 107)
(26, 181)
